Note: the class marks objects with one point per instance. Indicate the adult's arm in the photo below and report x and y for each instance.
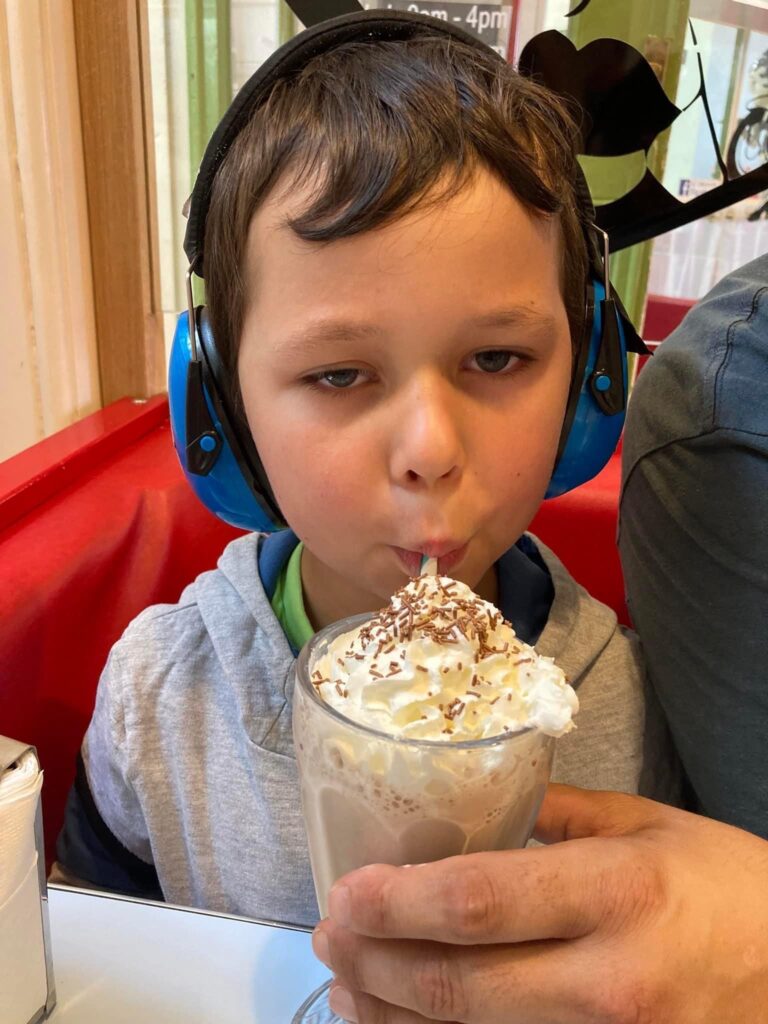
(637, 913)
(694, 542)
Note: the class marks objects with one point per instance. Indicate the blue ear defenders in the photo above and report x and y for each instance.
(213, 444)
(217, 454)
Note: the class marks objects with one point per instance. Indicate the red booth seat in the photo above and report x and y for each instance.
(97, 522)
(580, 527)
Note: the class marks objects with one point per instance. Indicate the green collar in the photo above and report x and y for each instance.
(288, 602)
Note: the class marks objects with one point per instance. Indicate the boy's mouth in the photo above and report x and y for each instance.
(448, 555)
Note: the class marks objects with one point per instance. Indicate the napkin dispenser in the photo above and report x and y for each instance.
(27, 990)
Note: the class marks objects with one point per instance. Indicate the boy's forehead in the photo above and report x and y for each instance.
(482, 211)
(476, 264)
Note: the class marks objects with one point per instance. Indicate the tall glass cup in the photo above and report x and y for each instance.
(373, 798)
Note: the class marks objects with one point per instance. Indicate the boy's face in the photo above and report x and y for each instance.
(406, 388)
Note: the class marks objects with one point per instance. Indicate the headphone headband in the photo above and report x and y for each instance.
(292, 57)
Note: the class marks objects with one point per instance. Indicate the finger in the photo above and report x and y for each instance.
(530, 983)
(360, 1008)
(557, 892)
(571, 813)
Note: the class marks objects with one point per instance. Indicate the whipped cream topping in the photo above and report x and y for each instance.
(439, 663)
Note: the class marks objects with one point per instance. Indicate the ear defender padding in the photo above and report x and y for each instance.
(216, 453)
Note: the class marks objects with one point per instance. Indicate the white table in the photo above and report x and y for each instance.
(127, 961)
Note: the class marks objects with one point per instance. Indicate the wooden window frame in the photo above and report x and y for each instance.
(111, 42)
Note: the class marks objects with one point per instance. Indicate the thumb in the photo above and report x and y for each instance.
(571, 813)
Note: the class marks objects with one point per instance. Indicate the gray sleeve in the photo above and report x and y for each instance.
(694, 548)
(621, 741)
(107, 761)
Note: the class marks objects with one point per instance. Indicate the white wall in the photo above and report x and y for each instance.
(254, 29)
(170, 116)
(48, 362)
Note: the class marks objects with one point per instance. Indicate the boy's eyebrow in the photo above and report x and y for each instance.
(515, 316)
(325, 329)
(328, 329)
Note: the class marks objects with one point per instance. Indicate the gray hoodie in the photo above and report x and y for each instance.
(189, 755)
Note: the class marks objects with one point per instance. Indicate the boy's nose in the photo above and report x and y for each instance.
(427, 443)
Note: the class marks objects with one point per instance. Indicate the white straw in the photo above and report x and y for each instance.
(428, 566)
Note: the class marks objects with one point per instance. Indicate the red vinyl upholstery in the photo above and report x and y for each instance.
(580, 527)
(98, 522)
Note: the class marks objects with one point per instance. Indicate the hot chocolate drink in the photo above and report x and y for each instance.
(422, 732)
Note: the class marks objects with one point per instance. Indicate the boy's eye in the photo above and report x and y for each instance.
(495, 360)
(338, 379)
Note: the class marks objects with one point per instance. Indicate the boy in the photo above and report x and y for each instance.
(396, 277)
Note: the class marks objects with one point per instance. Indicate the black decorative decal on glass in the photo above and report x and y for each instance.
(625, 108)
(577, 10)
(612, 82)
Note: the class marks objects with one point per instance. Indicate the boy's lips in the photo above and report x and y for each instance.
(448, 555)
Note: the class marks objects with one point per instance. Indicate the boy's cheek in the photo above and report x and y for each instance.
(326, 494)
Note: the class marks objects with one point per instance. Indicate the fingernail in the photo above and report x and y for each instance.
(320, 947)
(341, 1002)
(338, 905)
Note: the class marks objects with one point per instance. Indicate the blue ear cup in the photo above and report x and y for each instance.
(220, 472)
(595, 415)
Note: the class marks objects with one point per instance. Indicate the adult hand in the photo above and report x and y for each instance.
(637, 914)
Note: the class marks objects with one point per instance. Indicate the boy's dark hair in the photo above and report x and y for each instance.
(380, 128)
